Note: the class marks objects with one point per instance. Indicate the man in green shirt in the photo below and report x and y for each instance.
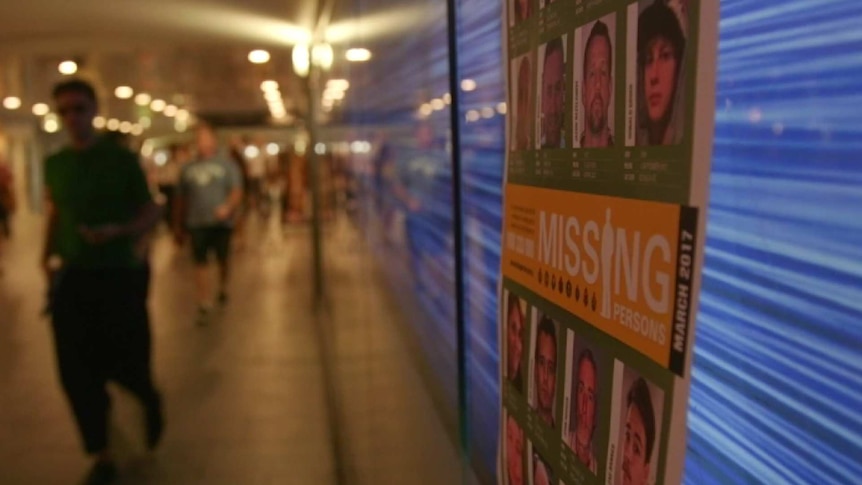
(98, 209)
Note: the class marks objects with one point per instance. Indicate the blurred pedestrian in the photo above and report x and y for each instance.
(98, 206)
(209, 196)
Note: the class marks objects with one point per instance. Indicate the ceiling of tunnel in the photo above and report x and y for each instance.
(192, 53)
(189, 52)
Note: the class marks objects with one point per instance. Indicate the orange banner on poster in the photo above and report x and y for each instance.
(621, 265)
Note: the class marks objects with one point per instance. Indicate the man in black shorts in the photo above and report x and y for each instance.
(209, 195)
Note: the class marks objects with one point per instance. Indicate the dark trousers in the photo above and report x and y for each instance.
(102, 333)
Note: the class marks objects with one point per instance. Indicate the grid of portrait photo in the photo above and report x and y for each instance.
(577, 71)
(606, 415)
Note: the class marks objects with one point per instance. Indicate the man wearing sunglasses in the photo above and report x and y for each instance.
(98, 210)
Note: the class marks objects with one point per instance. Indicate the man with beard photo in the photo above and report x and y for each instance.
(598, 87)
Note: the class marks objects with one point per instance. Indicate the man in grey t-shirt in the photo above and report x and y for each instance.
(209, 194)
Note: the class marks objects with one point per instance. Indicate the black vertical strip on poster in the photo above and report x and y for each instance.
(686, 252)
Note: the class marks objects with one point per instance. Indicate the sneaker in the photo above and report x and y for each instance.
(102, 473)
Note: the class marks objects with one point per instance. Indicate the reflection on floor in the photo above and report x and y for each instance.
(270, 393)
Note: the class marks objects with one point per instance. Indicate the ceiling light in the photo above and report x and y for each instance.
(113, 124)
(487, 112)
(468, 85)
(145, 122)
(337, 85)
(258, 56)
(137, 130)
(125, 127)
(51, 125)
(180, 126)
(124, 92)
(301, 60)
(143, 99)
(358, 54)
(426, 109)
(161, 158)
(322, 56)
(501, 108)
(272, 149)
(158, 105)
(99, 122)
(12, 102)
(251, 151)
(339, 95)
(183, 114)
(68, 67)
(447, 98)
(472, 115)
(272, 95)
(437, 104)
(269, 85)
(171, 110)
(41, 109)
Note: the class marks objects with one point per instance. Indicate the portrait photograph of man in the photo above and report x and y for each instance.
(661, 44)
(544, 361)
(522, 125)
(552, 94)
(515, 323)
(514, 452)
(640, 423)
(595, 80)
(586, 376)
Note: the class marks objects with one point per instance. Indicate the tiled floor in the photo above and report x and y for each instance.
(273, 392)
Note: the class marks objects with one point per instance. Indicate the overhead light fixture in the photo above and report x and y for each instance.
(473, 115)
(99, 122)
(272, 149)
(437, 104)
(143, 99)
(251, 151)
(137, 129)
(41, 109)
(124, 92)
(322, 56)
(487, 112)
(113, 124)
(170, 111)
(183, 114)
(337, 85)
(181, 126)
(125, 127)
(12, 102)
(426, 110)
(158, 105)
(337, 95)
(272, 96)
(501, 108)
(146, 122)
(51, 125)
(358, 54)
(258, 56)
(68, 67)
(447, 98)
(269, 85)
(301, 60)
(468, 85)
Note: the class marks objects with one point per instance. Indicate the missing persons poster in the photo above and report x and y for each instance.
(611, 106)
